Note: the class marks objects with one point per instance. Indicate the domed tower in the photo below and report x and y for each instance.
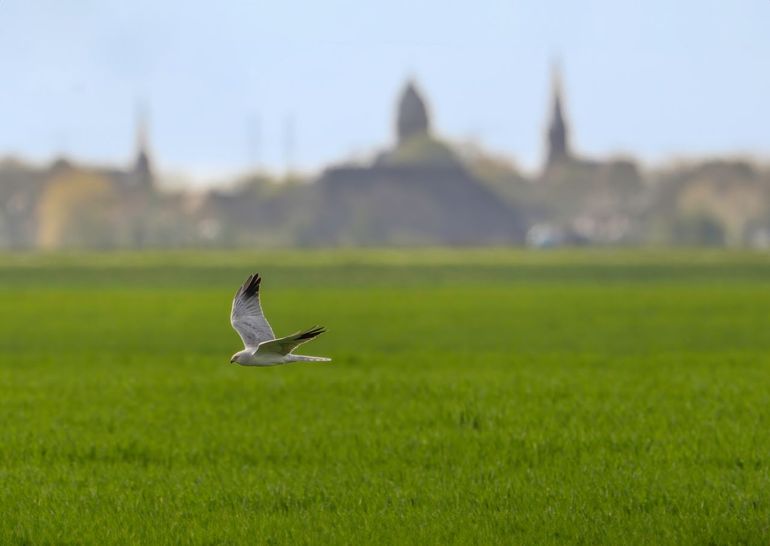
(412, 114)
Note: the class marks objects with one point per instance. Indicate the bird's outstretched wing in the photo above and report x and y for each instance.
(285, 345)
(246, 315)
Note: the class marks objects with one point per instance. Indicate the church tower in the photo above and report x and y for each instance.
(412, 118)
(142, 170)
(558, 137)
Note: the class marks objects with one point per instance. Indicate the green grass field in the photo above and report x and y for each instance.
(483, 397)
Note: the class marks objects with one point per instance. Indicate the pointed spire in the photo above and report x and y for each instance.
(141, 120)
(143, 176)
(556, 90)
(412, 117)
(558, 138)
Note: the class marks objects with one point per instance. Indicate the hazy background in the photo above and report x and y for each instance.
(223, 80)
(281, 124)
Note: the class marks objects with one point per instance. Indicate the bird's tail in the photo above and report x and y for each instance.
(305, 358)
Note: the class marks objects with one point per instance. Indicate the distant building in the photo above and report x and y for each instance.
(73, 205)
(141, 177)
(138, 187)
(412, 115)
(558, 131)
(590, 200)
(417, 192)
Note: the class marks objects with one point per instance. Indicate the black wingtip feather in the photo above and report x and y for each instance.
(313, 332)
(251, 286)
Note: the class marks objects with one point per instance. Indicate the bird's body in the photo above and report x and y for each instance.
(261, 347)
(247, 357)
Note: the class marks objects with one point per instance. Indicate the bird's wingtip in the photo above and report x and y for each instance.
(251, 284)
(313, 332)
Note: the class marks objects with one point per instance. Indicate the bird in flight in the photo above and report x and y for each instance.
(261, 347)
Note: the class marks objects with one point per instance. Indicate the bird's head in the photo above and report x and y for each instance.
(241, 357)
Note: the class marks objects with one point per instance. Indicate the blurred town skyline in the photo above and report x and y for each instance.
(250, 85)
(420, 188)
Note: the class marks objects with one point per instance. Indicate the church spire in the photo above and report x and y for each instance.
(143, 177)
(558, 138)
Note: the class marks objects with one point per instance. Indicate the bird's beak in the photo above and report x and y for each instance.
(232, 360)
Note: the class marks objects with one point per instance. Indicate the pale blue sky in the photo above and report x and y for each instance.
(656, 78)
